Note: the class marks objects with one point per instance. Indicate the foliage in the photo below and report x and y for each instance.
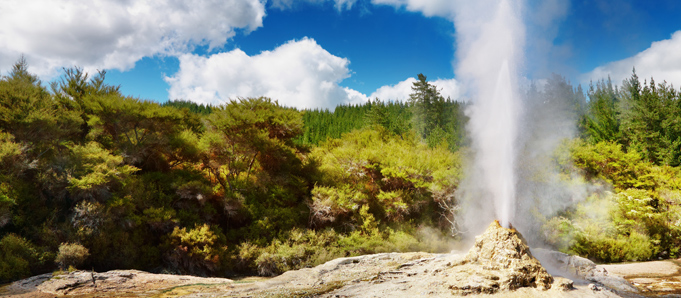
(641, 116)
(607, 161)
(71, 254)
(196, 251)
(447, 125)
(307, 248)
(435, 119)
(189, 105)
(395, 116)
(603, 121)
(638, 221)
(394, 177)
(19, 258)
(320, 125)
(95, 169)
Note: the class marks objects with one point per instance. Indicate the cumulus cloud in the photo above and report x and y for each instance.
(400, 91)
(114, 34)
(299, 74)
(662, 61)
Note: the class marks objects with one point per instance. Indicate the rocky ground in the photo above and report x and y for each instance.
(499, 265)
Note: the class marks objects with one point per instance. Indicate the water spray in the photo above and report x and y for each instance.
(489, 58)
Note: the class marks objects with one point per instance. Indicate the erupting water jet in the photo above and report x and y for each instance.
(490, 57)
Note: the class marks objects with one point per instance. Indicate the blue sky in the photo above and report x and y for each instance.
(319, 53)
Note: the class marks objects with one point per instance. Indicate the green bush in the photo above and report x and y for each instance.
(396, 176)
(71, 254)
(307, 248)
(197, 251)
(607, 161)
(618, 248)
(18, 257)
(638, 221)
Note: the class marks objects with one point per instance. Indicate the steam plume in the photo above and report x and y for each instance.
(489, 53)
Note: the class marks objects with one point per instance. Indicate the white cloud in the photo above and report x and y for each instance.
(662, 61)
(400, 91)
(299, 73)
(429, 8)
(288, 4)
(108, 34)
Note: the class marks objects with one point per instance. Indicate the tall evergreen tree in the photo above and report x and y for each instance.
(427, 105)
(642, 119)
(602, 120)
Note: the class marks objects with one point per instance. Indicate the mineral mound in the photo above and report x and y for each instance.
(500, 260)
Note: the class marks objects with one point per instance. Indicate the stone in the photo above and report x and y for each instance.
(565, 264)
(503, 262)
(563, 284)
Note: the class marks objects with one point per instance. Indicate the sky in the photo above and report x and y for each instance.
(321, 53)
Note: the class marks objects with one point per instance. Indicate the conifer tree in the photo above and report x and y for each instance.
(602, 122)
(427, 105)
(642, 120)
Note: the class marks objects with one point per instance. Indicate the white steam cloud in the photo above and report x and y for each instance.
(490, 41)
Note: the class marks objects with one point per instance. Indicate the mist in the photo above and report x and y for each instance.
(489, 56)
(515, 125)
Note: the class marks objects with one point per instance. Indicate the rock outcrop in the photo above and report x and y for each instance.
(578, 268)
(107, 284)
(500, 260)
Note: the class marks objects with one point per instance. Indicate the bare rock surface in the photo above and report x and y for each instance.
(656, 278)
(583, 270)
(116, 282)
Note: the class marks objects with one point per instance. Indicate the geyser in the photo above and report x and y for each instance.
(500, 149)
(490, 53)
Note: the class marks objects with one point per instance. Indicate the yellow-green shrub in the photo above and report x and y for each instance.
(638, 221)
(71, 254)
(197, 251)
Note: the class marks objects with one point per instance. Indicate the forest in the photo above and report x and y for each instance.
(93, 179)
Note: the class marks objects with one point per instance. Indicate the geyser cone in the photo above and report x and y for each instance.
(506, 262)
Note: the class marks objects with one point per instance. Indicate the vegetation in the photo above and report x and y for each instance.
(631, 148)
(436, 120)
(71, 255)
(91, 177)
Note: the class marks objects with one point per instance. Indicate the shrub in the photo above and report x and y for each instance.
(17, 256)
(196, 251)
(71, 254)
(307, 248)
(607, 161)
(396, 177)
(618, 248)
